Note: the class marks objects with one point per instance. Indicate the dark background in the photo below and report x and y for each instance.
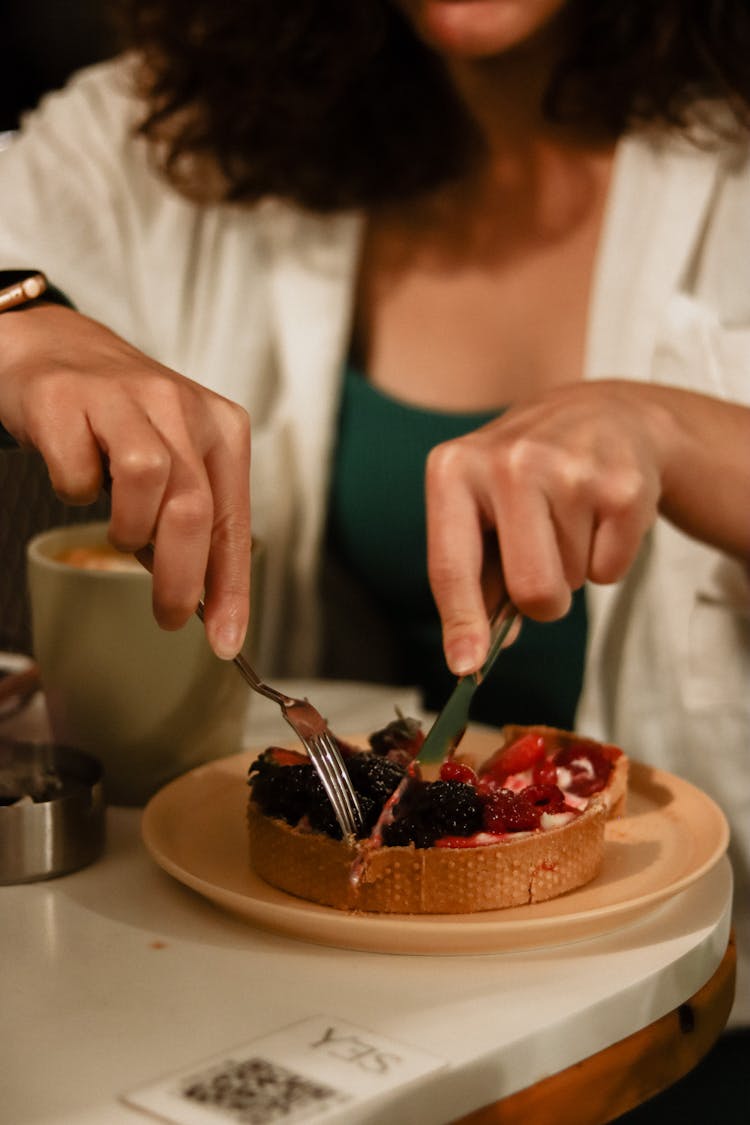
(43, 42)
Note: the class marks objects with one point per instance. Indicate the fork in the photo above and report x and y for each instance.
(313, 732)
(309, 726)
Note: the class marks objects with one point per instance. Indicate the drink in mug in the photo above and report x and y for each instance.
(148, 703)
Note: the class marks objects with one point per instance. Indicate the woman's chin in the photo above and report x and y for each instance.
(478, 28)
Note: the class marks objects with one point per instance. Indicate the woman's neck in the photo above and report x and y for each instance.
(505, 97)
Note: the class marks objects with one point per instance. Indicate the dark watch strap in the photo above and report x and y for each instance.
(51, 293)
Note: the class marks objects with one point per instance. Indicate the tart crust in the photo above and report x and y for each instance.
(523, 868)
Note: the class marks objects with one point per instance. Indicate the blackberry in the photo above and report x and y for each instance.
(291, 792)
(434, 809)
(399, 740)
(409, 829)
(281, 791)
(373, 776)
(370, 810)
(427, 811)
(374, 779)
(455, 808)
(320, 812)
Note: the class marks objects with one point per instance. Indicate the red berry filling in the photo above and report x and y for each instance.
(545, 773)
(511, 804)
(589, 766)
(519, 784)
(510, 812)
(526, 752)
(457, 771)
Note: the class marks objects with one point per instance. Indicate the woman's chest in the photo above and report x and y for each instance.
(476, 322)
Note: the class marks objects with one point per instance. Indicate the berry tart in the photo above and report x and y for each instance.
(524, 825)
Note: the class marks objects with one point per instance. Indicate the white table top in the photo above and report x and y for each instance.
(116, 976)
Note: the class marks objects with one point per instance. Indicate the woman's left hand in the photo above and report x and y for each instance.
(569, 483)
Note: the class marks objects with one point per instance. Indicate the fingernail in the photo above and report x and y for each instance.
(463, 657)
(227, 641)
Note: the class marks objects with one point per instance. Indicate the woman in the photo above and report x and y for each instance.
(527, 222)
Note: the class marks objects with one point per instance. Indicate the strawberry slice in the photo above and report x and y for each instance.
(523, 754)
(283, 757)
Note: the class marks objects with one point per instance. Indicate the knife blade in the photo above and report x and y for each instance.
(447, 731)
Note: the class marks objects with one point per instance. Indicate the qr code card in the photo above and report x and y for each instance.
(312, 1071)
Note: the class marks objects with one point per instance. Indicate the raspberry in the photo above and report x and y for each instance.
(545, 773)
(486, 786)
(509, 812)
(457, 771)
(546, 798)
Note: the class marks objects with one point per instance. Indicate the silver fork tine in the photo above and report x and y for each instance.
(309, 726)
(329, 780)
(328, 755)
(346, 812)
(313, 730)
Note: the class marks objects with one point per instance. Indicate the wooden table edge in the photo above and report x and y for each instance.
(626, 1074)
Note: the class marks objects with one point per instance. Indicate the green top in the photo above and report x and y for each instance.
(378, 531)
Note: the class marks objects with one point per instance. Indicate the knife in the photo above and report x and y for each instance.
(448, 729)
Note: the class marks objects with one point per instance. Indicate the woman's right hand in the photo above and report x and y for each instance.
(567, 484)
(177, 453)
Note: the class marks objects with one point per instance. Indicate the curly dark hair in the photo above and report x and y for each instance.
(338, 104)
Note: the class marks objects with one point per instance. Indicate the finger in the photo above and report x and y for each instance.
(630, 509)
(228, 573)
(455, 535)
(615, 545)
(181, 541)
(532, 563)
(139, 463)
(72, 456)
(574, 531)
(568, 484)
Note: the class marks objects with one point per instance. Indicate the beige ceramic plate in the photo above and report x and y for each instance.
(673, 833)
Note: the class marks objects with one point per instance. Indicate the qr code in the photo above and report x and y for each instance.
(256, 1091)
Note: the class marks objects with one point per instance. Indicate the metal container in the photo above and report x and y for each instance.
(51, 810)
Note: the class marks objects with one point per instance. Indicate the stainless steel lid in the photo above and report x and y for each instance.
(51, 810)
